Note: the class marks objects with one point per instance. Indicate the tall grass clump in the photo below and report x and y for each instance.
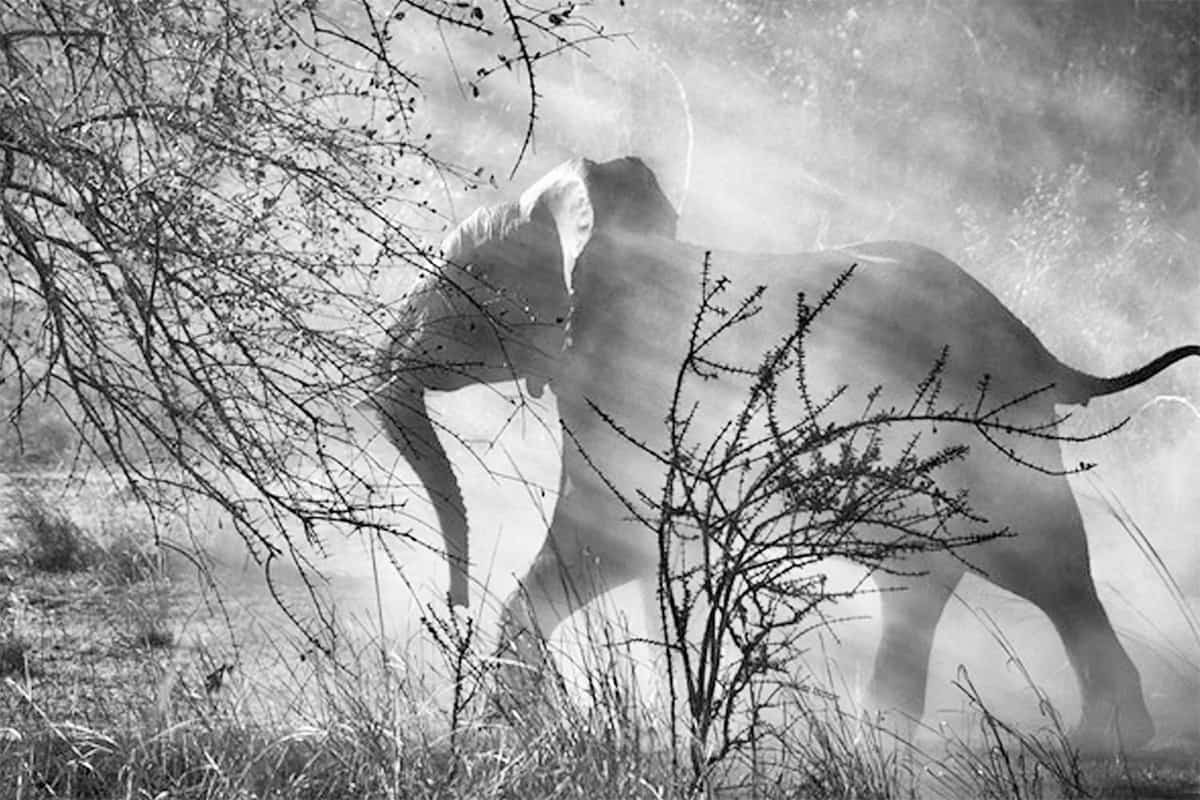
(131, 552)
(122, 549)
(51, 540)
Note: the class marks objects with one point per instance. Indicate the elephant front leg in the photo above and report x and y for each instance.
(580, 560)
(558, 583)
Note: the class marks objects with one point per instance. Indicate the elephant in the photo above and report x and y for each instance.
(596, 241)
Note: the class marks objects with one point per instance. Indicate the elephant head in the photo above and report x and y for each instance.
(494, 308)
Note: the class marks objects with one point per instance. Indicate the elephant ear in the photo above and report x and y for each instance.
(585, 198)
(505, 243)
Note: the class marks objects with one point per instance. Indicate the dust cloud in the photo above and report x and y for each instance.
(1046, 155)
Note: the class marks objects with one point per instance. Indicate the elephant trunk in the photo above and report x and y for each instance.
(406, 422)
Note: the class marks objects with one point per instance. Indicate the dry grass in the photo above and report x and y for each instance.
(117, 680)
(50, 540)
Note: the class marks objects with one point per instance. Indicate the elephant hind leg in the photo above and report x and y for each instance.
(1048, 564)
(1114, 715)
(910, 610)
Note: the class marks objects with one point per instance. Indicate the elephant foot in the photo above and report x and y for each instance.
(1123, 730)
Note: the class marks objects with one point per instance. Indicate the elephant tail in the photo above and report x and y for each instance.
(1079, 387)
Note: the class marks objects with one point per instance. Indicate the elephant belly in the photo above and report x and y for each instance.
(641, 408)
